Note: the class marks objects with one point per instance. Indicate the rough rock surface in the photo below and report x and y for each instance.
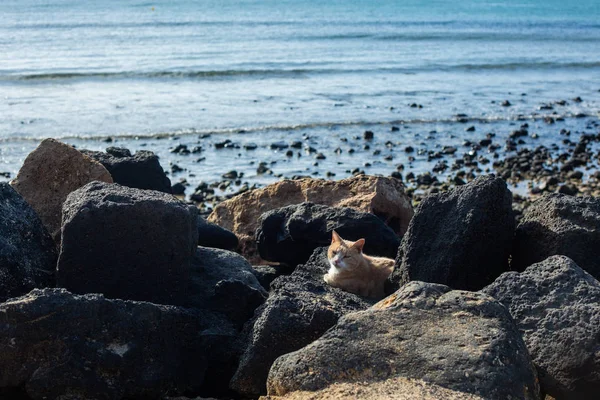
(461, 238)
(212, 235)
(300, 308)
(223, 281)
(290, 234)
(266, 274)
(381, 196)
(563, 225)
(58, 345)
(394, 388)
(49, 174)
(27, 252)
(127, 243)
(556, 305)
(141, 170)
(455, 339)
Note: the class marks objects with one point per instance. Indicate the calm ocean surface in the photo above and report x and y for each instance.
(85, 70)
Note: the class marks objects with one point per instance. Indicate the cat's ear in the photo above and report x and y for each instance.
(335, 238)
(359, 244)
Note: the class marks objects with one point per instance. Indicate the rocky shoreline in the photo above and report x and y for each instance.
(112, 288)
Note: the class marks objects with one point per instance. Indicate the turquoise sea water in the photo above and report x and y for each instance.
(80, 70)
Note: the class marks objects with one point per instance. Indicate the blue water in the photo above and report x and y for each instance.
(84, 70)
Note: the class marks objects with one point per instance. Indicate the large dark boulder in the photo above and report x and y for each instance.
(556, 305)
(141, 170)
(563, 225)
(223, 281)
(127, 243)
(59, 345)
(212, 235)
(290, 234)
(461, 238)
(300, 308)
(27, 252)
(458, 340)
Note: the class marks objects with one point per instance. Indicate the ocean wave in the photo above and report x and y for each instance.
(296, 72)
(299, 127)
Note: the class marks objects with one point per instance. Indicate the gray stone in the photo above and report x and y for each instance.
(127, 243)
(56, 345)
(459, 340)
(27, 252)
(563, 225)
(556, 305)
(223, 281)
(461, 238)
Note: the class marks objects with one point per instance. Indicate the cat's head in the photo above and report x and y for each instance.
(344, 254)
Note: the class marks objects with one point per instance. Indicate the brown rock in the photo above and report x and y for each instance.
(49, 174)
(395, 388)
(381, 196)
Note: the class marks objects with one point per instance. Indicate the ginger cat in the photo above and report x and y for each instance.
(355, 272)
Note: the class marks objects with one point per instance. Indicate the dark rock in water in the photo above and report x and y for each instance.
(178, 189)
(461, 238)
(250, 146)
(230, 175)
(291, 234)
(470, 129)
(127, 243)
(505, 103)
(394, 129)
(141, 171)
(368, 135)
(27, 251)
(181, 149)
(559, 224)
(568, 189)
(300, 308)
(212, 235)
(59, 345)
(279, 146)
(556, 305)
(223, 281)
(458, 340)
(409, 149)
(266, 274)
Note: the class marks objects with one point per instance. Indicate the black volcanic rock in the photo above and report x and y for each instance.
(300, 308)
(559, 224)
(141, 170)
(461, 238)
(455, 339)
(27, 252)
(127, 243)
(57, 345)
(291, 234)
(556, 305)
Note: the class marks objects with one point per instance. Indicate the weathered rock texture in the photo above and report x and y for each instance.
(57, 345)
(394, 388)
(141, 170)
(300, 308)
(556, 305)
(291, 234)
(127, 243)
(27, 252)
(459, 340)
(563, 225)
(223, 281)
(49, 174)
(461, 238)
(383, 197)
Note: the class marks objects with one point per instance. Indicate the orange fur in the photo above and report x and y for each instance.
(355, 272)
